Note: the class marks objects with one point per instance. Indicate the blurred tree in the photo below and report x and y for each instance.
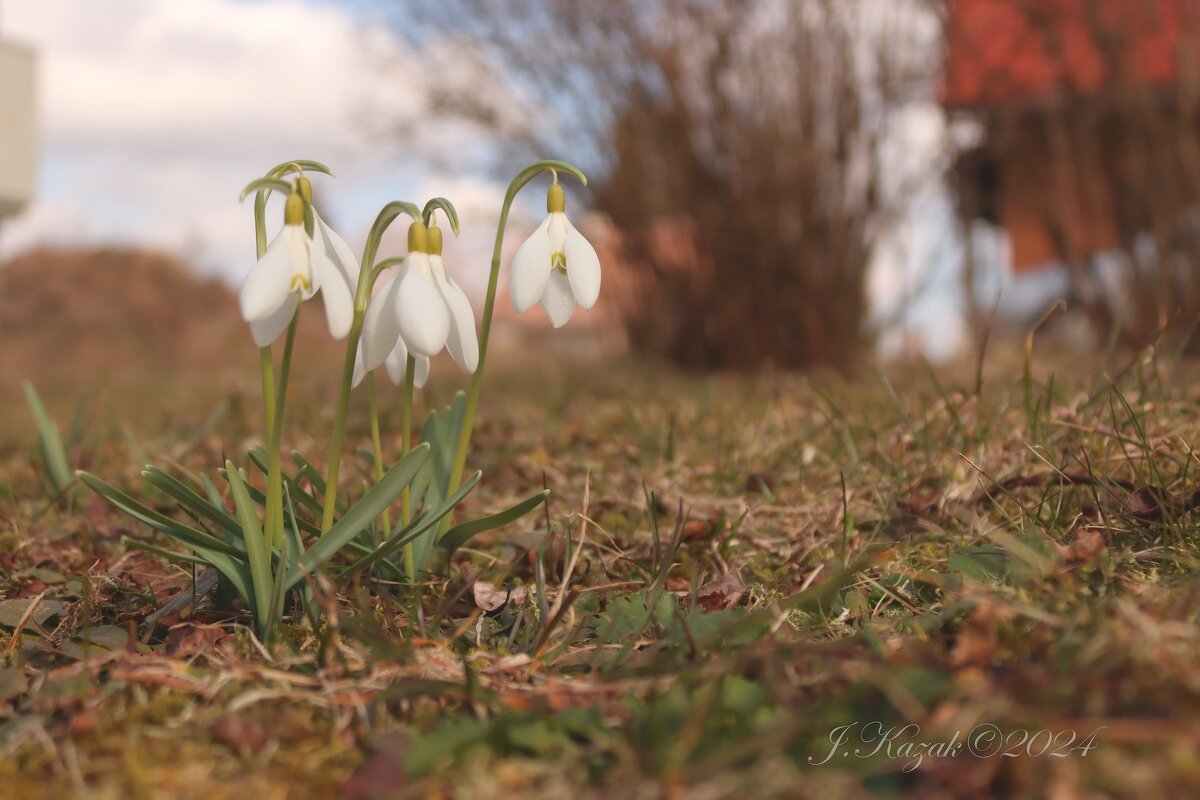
(739, 148)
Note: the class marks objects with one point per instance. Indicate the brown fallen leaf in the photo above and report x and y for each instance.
(241, 734)
(699, 529)
(491, 600)
(187, 639)
(726, 591)
(382, 775)
(979, 637)
(1155, 502)
(1086, 545)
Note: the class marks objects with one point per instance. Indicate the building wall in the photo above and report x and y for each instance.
(18, 132)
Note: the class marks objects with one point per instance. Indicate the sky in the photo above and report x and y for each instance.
(154, 114)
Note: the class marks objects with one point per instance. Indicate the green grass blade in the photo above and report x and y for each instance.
(258, 550)
(189, 536)
(53, 452)
(459, 535)
(183, 494)
(424, 524)
(361, 515)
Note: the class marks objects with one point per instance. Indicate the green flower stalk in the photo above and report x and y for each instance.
(556, 206)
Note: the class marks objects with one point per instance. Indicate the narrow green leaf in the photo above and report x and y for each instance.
(459, 535)
(423, 524)
(49, 440)
(183, 494)
(360, 515)
(258, 550)
(189, 536)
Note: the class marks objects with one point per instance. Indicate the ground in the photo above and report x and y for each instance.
(734, 570)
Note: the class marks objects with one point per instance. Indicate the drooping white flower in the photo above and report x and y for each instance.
(294, 268)
(555, 266)
(421, 309)
(396, 359)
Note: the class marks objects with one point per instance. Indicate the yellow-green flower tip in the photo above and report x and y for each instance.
(305, 187)
(293, 212)
(556, 200)
(435, 240)
(418, 238)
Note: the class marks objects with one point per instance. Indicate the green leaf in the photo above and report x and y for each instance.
(460, 534)
(361, 515)
(49, 440)
(424, 523)
(189, 499)
(258, 550)
(163, 524)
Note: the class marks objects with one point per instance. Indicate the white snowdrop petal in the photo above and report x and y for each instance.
(335, 294)
(559, 300)
(380, 328)
(420, 310)
(583, 268)
(421, 373)
(463, 343)
(530, 269)
(268, 283)
(337, 250)
(360, 369)
(395, 362)
(271, 327)
(302, 247)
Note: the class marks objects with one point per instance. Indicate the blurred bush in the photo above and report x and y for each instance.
(738, 149)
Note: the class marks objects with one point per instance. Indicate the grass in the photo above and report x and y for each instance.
(729, 569)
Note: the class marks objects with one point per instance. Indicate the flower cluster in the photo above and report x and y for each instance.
(415, 307)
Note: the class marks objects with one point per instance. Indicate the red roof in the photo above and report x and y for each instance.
(1006, 52)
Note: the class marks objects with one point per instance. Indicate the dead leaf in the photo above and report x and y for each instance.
(382, 775)
(187, 639)
(977, 641)
(241, 734)
(699, 529)
(491, 600)
(1086, 545)
(726, 591)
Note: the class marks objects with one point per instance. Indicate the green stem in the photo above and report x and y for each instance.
(274, 511)
(406, 404)
(377, 447)
(361, 295)
(264, 354)
(468, 424)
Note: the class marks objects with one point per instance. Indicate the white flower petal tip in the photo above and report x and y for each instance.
(559, 300)
(268, 284)
(530, 270)
(463, 342)
(420, 309)
(266, 330)
(335, 293)
(583, 268)
(380, 328)
(336, 250)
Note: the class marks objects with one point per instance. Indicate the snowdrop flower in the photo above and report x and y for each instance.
(555, 265)
(294, 268)
(397, 360)
(422, 309)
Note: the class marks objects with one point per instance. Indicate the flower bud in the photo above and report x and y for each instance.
(556, 200)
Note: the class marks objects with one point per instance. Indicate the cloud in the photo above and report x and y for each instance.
(155, 114)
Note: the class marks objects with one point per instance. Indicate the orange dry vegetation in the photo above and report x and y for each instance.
(124, 323)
